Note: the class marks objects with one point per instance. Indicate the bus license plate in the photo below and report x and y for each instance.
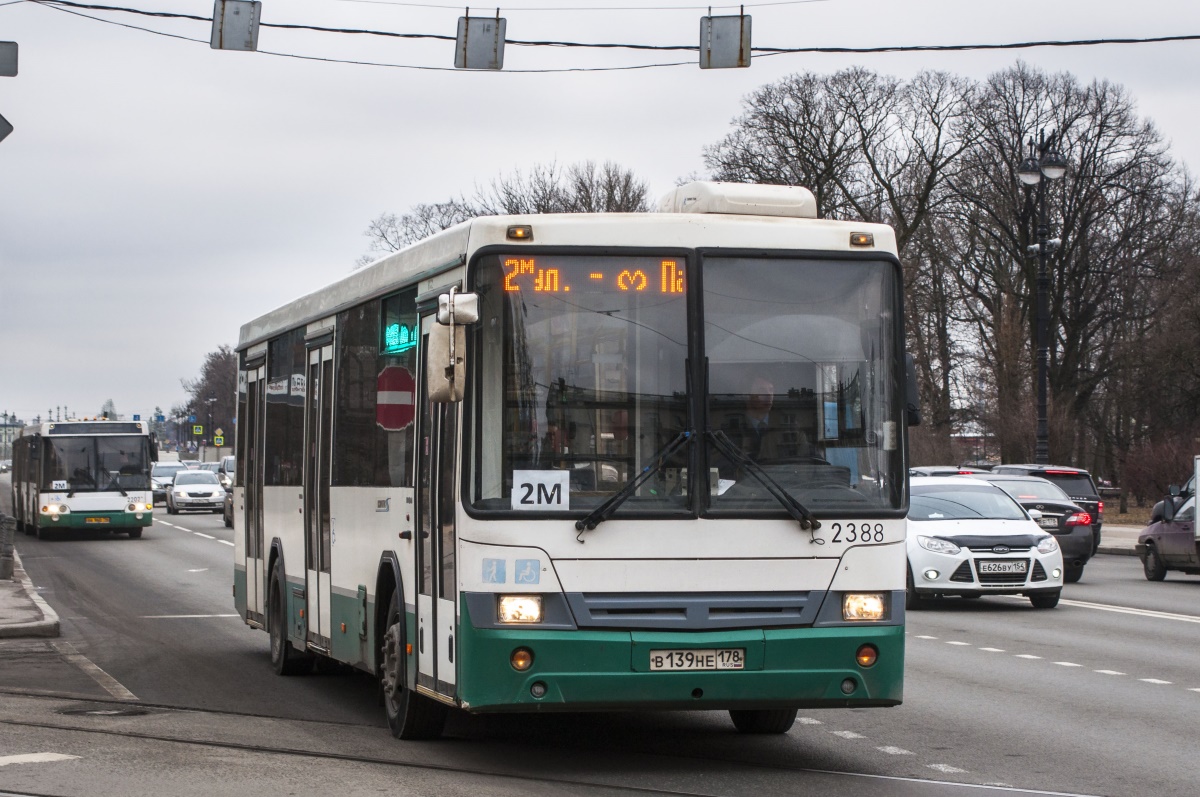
(710, 659)
(1002, 567)
(96, 520)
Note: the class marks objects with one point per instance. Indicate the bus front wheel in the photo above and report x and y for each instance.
(769, 720)
(409, 715)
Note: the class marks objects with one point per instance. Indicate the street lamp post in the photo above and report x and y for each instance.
(1043, 160)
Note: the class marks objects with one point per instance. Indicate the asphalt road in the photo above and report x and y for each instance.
(1098, 696)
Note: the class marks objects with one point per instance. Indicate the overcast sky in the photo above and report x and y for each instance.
(156, 194)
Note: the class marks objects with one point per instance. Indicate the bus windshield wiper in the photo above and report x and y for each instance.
(657, 461)
(797, 510)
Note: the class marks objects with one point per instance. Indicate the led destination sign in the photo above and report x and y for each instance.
(549, 274)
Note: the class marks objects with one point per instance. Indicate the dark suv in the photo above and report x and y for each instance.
(1075, 482)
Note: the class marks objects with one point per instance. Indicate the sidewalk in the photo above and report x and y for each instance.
(23, 612)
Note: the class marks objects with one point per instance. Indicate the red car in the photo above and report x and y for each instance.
(1170, 542)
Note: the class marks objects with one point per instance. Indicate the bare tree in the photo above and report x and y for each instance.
(213, 394)
(583, 188)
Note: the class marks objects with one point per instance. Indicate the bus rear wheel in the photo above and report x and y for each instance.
(767, 720)
(409, 715)
(285, 659)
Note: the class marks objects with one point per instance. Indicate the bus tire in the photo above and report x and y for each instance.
(409, 715)
(765, 720)
(285, 659)
(135, 534)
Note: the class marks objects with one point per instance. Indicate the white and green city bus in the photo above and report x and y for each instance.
(76, 474)
(507, 468)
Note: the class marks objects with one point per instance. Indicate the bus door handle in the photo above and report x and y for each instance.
(407, 535)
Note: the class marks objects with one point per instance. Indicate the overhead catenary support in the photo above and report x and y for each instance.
(480, 42)
(725, 42)
(235, 25)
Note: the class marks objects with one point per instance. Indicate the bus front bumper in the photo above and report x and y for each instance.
(611, 670)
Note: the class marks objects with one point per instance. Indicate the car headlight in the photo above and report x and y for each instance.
(179, 493)
(1047, 545)
(936, 544)
(864, 606)
(519, 609)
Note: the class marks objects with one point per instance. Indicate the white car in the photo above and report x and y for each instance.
(195, 490)
(969, 538)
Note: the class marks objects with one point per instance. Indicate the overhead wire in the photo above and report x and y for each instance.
(68, 6)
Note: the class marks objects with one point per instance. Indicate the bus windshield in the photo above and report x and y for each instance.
(583, 376)
(96, 464)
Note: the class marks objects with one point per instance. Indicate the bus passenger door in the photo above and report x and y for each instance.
(318, 448)
(436, 497)
(252, 520)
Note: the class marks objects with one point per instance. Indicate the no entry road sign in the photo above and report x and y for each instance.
(395, 404)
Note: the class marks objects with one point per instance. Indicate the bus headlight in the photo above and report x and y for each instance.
(55, 509)
(519, 609)
(864, 606)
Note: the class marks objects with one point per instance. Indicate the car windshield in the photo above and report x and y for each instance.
(962, 502)
(1039, 490)
(196, 477)
(167, 471)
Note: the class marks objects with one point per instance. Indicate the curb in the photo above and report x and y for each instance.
(46, 627)
(1117, 550)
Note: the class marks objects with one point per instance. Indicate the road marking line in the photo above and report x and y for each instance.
(808, 721)
(958, 643)
(1153, 681)
(925, 636)
(1104, 607)
(894, 750)
(848, 734)
(34, 758)
(945, 768)
(226, 542)
(993, 650)
(205, 536)
(1067, 664)
(183, 616)
(1027, 656)
(1193, 690)
(1108, 672)
(199, 570)
(110, 684)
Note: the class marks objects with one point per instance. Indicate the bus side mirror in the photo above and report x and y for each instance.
(445, 357)
(912, 402)
(445, 380)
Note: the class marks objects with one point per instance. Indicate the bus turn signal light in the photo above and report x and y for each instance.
(867, 655)
(521, 659)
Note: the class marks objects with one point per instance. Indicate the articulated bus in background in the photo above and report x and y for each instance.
(589, 462)
(75, 474)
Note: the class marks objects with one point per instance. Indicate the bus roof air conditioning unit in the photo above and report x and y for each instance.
(741, 199)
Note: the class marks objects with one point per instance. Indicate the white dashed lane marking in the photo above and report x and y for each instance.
(848, 734)
(894, 750)
(946, 768)
(34, 758)
(1031, 657)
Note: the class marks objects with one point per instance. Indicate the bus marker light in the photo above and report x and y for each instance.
(864, 606)
(849, 685)
(301, 613)
(867, 655)
(521, 659)
(408, 649)
(520, 232)
(537, 689)
(862, 239)
(343, 628)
